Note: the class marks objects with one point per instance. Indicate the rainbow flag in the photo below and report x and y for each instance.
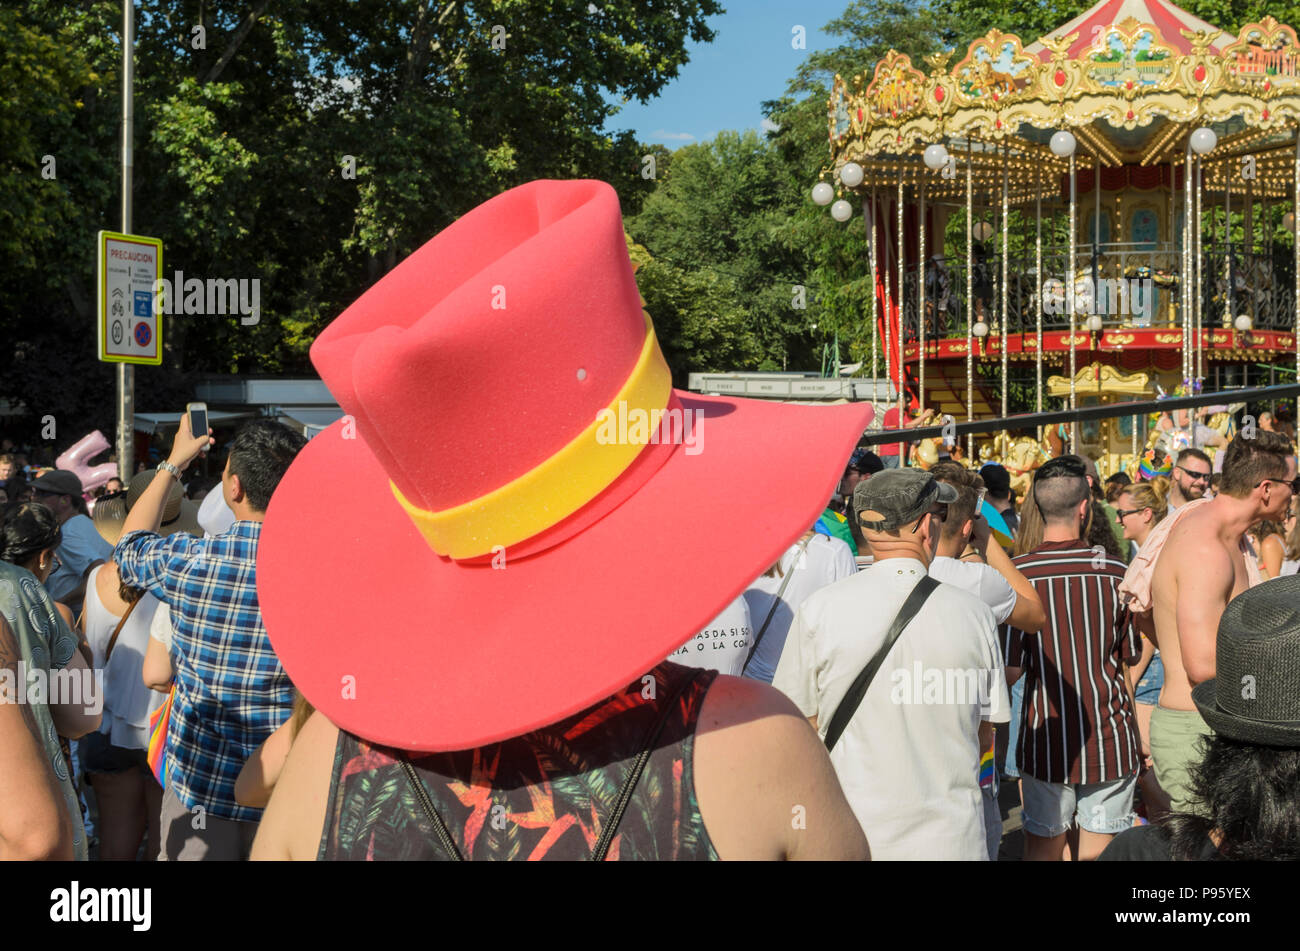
(986, 766)
(1001, 534)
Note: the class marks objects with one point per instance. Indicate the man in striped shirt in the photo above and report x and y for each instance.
(1078, 737)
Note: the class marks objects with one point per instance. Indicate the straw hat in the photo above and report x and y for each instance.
(179, 513)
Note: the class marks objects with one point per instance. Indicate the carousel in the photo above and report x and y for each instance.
(1106, 212)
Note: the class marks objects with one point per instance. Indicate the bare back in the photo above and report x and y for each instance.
(1200, 570)
(764, 782)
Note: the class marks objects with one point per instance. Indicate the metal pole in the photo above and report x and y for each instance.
(1198, 343)
(1038, 289)
(875, 318)
(1295, 257)
(1074, 224)
(970, 303)
(920, 294)
(1006, 246)
(902, 255)
(1228, 315)
(1188, 279)
(125, 371)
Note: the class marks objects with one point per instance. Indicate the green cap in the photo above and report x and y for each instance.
(901, 495)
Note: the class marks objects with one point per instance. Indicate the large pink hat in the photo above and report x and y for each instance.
(519, 515)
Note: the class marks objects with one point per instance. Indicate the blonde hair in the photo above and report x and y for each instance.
(1146, 496)
(1030, 533)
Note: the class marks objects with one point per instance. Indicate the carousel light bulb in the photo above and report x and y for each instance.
(823, 193)
(983, 230)
(841, 210)
(1094, 323)
(935, 157)
(1288, 221)
(1243, 322)
(1204, 140)
(1063, 143)
(980, 329)
(851, 174)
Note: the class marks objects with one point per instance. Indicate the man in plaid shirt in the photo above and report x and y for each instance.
(231, 692)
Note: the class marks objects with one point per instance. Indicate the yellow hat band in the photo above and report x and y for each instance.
(564, 483)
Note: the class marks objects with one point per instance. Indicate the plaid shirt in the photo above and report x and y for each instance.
(231, 692)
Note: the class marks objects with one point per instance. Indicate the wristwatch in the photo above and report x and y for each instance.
(166, 466)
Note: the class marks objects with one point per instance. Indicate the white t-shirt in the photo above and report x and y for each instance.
(909, 759)
(723, 645)
(128, 703)
(980, 579)
(823, 561)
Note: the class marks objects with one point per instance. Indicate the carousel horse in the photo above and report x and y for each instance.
(1022, 455)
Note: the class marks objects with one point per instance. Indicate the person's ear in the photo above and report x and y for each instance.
(236, 489)
(967, 528)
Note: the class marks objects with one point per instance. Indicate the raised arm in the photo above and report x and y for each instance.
(1028, 615)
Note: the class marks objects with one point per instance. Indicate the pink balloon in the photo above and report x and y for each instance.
(76, 460)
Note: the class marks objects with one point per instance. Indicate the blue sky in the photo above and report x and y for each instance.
(722, 87)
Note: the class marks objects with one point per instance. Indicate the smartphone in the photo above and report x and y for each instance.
(198, 413)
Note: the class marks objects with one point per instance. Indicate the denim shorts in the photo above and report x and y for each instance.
(1153, 678)
(1011, 767)
(1051, 808)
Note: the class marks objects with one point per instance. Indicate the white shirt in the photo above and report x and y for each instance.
(823, 561)
(127, 701)
(908, 761)
(980, 579)
(723, 645)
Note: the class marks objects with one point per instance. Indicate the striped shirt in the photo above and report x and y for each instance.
(231, 692)
(1078, 722)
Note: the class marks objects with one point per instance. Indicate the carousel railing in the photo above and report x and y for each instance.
(1136, 286)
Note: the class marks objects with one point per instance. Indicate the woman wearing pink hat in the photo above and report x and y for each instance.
(511, 701)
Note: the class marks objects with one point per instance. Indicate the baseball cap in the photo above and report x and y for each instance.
(58, 482)
(901, 496)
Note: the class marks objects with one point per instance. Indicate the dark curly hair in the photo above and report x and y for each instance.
(26, 530)
(1250, 794)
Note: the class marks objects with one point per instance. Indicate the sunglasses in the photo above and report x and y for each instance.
(1293, 485)
(1195, 476)
(939, 512)
(1125, 513)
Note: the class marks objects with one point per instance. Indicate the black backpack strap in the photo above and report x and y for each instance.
(780, 593)
(853, 699)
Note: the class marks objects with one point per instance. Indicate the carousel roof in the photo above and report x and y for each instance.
(1131, 79)
(1170, 19)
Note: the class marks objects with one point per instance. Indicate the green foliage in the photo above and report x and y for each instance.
(240, 156)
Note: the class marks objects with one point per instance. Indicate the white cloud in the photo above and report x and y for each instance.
(675, 136)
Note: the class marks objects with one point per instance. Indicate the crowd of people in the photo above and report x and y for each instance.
(1126, 652)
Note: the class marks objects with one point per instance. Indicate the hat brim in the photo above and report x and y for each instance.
(419, 652)
(1261, 733)
(110, 529)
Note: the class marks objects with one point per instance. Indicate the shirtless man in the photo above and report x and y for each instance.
(1201, 568)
